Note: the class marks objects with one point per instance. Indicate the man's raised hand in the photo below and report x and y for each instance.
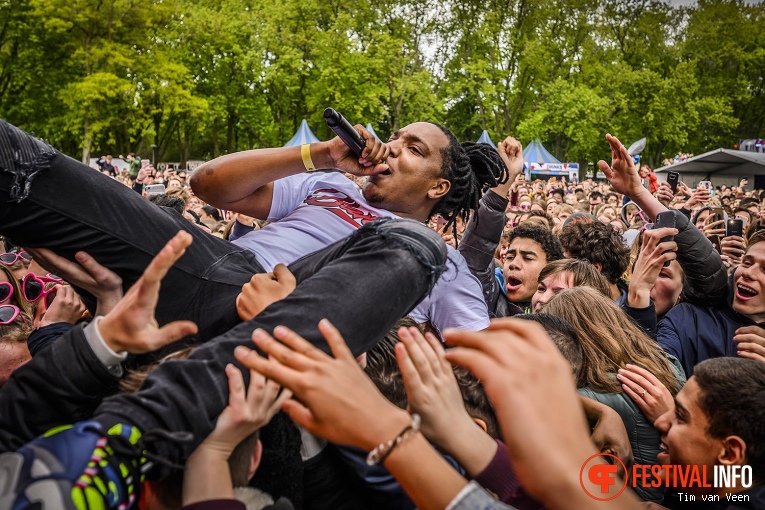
(131, 326)
(622, 174)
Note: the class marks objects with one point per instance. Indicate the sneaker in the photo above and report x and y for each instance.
(76, 467)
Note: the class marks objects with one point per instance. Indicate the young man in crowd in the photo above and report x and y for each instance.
(530, 249)
(726, 324)
(596, 200)
(485, 229)
(105, 165)
(134, 163)
(717, 421)
(604, 247)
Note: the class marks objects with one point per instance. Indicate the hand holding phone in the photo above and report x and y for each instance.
(666, 219)
(734, 227)
(673, 178)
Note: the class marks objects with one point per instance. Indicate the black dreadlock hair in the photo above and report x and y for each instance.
(468, 167)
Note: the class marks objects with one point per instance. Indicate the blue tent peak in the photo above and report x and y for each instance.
(535, 152)
(485, 138)
(303, 135)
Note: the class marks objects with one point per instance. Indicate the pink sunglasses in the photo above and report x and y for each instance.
(33, 287)
(9, 313)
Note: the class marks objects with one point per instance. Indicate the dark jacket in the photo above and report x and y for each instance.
(64, 383)
(705, 280)
(45, 336)
(479, 241)
(694, 333)
(704, 274)
(703, 326)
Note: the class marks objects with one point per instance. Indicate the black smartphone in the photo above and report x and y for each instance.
(715, 240)
(673, 178)
(666, 219)
(734, 227)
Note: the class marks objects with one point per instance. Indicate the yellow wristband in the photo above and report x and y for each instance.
(305, 152)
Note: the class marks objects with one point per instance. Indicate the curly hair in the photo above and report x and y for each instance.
(598, 243)
(542, 236)
(469, 167)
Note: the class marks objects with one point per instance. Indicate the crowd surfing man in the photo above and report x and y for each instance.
(425, 171)
(421, 171)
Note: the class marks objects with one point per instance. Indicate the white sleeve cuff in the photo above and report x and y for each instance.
(103, 352)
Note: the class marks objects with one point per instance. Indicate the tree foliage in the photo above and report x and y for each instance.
(199, 78)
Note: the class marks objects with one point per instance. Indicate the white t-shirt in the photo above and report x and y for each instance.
(312, 211)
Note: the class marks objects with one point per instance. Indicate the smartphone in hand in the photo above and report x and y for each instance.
(666, 219)
(734, 227)
(673, 178)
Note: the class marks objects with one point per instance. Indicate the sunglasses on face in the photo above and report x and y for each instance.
(10, 258)
(6, 291)
(33, 287)
(8, 314)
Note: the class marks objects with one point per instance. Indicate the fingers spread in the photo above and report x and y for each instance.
(172, 251)
(335, 340)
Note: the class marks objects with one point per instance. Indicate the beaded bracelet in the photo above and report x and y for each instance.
(383, 450)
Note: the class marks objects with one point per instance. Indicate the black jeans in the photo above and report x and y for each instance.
(362, 284)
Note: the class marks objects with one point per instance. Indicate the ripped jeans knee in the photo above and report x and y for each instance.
(24, 157)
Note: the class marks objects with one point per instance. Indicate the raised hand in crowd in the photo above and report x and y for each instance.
(541, 419)
(653, 255)
(683, 190)
(750, 342)
(207, 475)
(714, 227)
(449, 239)
(623, 176)
(733, 248)
(264, 289)
(336, 400)
(86, 274)
(700, 196)
(664, 194)
(653, 398)
(433, 393)
(67, 307)
(511, 152)
(622, 173)
(131, 325)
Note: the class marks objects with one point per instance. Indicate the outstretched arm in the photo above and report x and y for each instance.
(624, 178)
(243, 181)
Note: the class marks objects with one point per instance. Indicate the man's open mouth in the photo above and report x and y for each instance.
(513, 283)
(744, 291)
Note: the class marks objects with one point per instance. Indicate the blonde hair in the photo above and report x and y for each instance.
(609, 340)
(18, 297)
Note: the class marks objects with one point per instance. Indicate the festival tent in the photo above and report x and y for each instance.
(371, 130)
(721, 166)
(303, 135)
(538, 161)
(485, 138)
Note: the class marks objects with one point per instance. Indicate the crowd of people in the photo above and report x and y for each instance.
(677, 158)
(416, 326)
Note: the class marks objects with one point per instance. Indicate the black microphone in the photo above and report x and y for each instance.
(345, 131)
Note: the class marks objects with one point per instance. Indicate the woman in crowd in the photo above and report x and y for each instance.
(610, 341)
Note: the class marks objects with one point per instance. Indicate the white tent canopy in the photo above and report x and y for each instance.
(721, 166)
